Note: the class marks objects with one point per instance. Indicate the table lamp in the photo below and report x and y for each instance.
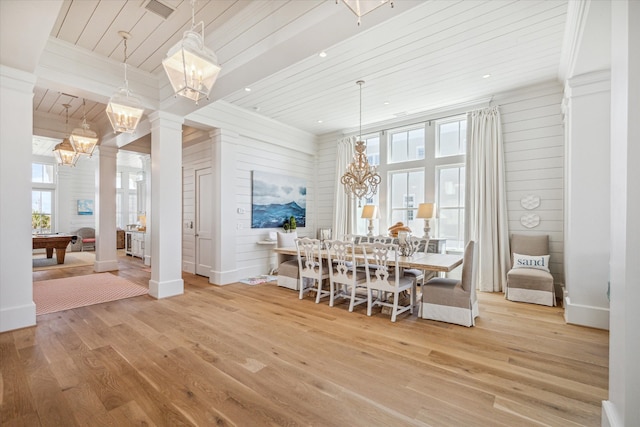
(425, 211)
(370, 212)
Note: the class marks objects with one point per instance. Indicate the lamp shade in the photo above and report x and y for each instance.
(370, 212)
(192, 68)
(426, 210)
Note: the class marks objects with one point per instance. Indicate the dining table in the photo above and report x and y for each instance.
(426, 261)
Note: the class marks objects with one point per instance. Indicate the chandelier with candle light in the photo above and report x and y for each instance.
(124, 110)
(192, 68)
(64, 152)
(361, 180)
(83, 139)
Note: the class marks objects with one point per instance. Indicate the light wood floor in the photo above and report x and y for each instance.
(244, 355)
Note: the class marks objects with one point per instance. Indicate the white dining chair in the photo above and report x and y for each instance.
(314, 271)
(420, 245)
(346, 280)
(381, 264)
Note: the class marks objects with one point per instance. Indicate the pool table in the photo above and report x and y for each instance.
(59, 242)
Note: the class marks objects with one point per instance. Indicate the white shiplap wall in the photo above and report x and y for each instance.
(251, 154)
(262, 145)
(74, 184)
(533, 135)
(534, 162)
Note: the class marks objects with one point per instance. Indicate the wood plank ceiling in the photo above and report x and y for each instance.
(415, 57)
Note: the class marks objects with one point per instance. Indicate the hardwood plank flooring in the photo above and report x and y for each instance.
(242, 355)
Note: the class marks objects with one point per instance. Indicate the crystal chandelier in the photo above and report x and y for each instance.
(124, 110)
(361, 180)
(64, 152)
(362, 7)
(192, 68)
(83, 139)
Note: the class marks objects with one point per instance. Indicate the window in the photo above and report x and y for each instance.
(451, 205)
(41, 173)
(42, 196)
(406, 145)
(451, 137)
(119, 222)
(407, 191)
(133, 209)
(373, 150)
(41, 211)
(126, 198)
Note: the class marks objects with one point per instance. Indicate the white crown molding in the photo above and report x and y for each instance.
(577, 13)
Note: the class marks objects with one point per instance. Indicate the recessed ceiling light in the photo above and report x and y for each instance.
(247, 89)
(322, 54)
(486, 76)
(386, 103)
(319, 121)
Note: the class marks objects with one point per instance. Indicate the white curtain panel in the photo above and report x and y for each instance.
(344, 216)
(486, 205)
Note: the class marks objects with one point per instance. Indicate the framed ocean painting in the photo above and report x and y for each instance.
(275, 198)
(85, 207)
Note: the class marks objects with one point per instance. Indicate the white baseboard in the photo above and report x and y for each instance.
(166, 289)
(222, 278)
(102, 266)
(188, 267)
(609, 417)
(12, 318)
(584, 315)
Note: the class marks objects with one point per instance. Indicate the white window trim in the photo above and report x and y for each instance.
(440, 122)
(438, 168)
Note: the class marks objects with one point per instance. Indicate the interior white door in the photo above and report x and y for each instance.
(204, 222)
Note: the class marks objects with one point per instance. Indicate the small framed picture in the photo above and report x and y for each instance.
(85, 207)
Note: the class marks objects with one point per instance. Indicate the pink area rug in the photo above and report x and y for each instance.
(55, 295)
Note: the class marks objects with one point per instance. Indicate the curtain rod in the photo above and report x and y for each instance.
(431, 120)
(383, 128)
(441, 118)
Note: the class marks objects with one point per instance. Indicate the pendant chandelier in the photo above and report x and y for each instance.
(124, 110)
(64, 152)
(361, 180)
(362, 7)
(192, 68)
(83, 139)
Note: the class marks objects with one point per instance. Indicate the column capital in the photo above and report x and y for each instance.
(17, 80)
(162, 116)
(107, 151)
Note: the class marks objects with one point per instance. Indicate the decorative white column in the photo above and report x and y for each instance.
(622, 408)
(225, 227)
(587, 178)
(166, 205)
(105, 210)
(17, 309)
(146, 166)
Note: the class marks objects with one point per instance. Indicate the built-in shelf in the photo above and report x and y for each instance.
(266, 242)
